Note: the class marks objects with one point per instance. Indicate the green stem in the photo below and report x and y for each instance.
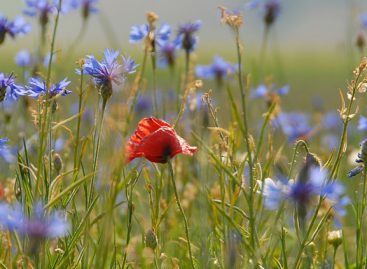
(345, 127)
(247, 142)
(76, 152)
(182, 213)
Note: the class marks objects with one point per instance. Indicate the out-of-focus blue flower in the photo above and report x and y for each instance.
(39, 8)
(24, 58)
(66, 6)
(363, 20)
(294, 125)
(39, 225)
(46, 59)
(144, 105)
(302, 192)
(270, 9)
(186, 35)
(262, 91)
(59, 144)
(38, 87)
(167, 52)
(139, 32)
(219, 69)
(13, 28)
(362, 124)
(330, 141)
(7, 153)
(8, 88)
(331, 121)
(87, 6)
(108, 71)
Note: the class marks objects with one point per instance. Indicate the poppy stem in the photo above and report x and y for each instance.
(182, 212)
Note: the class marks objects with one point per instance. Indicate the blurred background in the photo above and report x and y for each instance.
(311, 46)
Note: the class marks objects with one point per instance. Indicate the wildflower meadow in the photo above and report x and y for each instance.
(163, 151)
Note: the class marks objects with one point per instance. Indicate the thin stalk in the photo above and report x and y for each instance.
(76, 152)
(97, 147)
(247, 141)
(182, 213)
(345, 127)
(43, 117)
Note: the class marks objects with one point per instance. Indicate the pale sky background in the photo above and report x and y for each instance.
(306, 25)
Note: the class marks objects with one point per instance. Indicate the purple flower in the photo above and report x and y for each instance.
(139, 32)
(302, 192)
(331, 121)
(362, 124)
(271, 11)
(13, 28)
(186, 34)
(294, 125)
(7, 153)
(363, 20)
(108, 71)
(87, 7)
(219, 70)
(262, 91)
(167, 53)
(8, 88)
(24, 58)
(39, 225)
(40, 8)
(37, 87)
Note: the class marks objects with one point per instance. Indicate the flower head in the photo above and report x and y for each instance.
(8, 88)
(294, 125)
(40, 8)
(87, 7)
(108, 71)
(38, 87)
(37, 226)
(233, 18)
(363, 20)
(167, 53)
(362, 124)
(219, 70)
(271, 11)
(186, 35)
(13, 28)
(156, 141)
(8, 154)
(139, 32)
(24, 58)
(264, 91)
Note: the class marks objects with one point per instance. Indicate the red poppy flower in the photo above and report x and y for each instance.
(157, 141)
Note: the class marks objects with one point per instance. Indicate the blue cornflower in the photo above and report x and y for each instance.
(7, 153)
(294, 125)
(38, 226)
(108, 71)
(139, 32)
(186, 35)
(219, 70)
(13, 28)
(363, 19)
(87, 7)
(303, 192)
(330, 141)
(8, 88)
(331, 121)
(38, 87)
(24, 58)
(270, 9)
(167, 53)
(362, 124)
(40, 8)
(144, 105)
(262, 91)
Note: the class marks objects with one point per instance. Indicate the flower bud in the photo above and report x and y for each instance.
(57, 162)
(335, 238)
(151, 240)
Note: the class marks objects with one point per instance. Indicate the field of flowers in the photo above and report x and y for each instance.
(205, 167)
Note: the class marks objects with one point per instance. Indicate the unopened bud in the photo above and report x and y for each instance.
(335, 238)
(151, 240)
(58, 164)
